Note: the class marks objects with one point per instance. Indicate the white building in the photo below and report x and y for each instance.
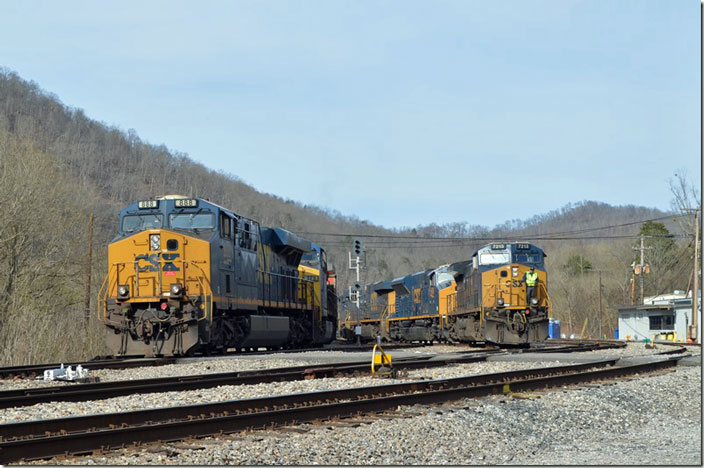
(666, 313)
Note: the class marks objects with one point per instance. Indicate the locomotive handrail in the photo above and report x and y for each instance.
(450, 307)
(384, 318)
(101, 314)
(451, 302)
(206, 287)
(288, 288)
(547, 297)
(348, 318)
(496, 295)
(209, 289)
(103, 298)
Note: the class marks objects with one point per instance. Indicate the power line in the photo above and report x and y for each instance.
(619, 225)
(547, 236)
(464, 242)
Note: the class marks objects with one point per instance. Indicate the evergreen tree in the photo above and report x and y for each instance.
(577, 265)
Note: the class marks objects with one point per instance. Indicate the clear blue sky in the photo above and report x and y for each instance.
(400, 112)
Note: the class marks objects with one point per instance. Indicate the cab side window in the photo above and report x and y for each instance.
(247, 235)
(244, 235)
(225, 226)
(254, 235)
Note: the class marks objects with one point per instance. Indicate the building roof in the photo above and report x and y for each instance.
(662, 301)
(625, 307)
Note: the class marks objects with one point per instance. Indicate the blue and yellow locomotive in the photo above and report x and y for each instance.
(186, 275)
(407, 308)
(477, 300)
(491, 303)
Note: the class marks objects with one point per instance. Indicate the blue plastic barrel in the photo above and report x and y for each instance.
(616, 334)
(554, 329)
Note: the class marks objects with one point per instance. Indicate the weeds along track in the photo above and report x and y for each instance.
(83, 435)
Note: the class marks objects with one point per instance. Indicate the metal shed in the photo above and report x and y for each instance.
(667, 313)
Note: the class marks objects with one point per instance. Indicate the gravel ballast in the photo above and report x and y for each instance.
(650, 419)
(237, 392)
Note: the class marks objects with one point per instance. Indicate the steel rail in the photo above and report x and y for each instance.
(95, 391)
(43, 439)
(140, 361)
(116, 363)
(571, 348)
(102, 390)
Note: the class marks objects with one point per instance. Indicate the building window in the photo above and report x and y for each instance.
(662, 322)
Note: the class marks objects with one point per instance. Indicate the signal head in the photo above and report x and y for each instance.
(357, 245)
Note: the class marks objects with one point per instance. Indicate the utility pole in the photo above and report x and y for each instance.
(693, 330)
(601, 334)
(601, 309)
(88, 266)
(693, 333)
(642, 272)
(642, 263)
(633, 285)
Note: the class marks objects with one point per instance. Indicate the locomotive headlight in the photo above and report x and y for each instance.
(533, 301)
(176, 290)
(155, 241)
(123, 291)
(500, 302)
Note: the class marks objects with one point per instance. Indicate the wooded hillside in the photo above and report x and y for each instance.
(58, 167)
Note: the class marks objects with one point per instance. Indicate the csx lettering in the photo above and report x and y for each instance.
(168, 265)
(514, 283)
(153, 260)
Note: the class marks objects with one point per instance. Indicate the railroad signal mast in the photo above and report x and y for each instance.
(356, 265)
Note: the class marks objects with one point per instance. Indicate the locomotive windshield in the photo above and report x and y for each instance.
(192, 221)
(527, 258)
(494, 258)
(444, 280)
(310, 259)
(142, 222)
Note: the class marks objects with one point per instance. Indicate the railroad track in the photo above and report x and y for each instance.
(83, 435)
(570, 346)
(102, 390)
(113, 363)
(104, 362)
(31, 371)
